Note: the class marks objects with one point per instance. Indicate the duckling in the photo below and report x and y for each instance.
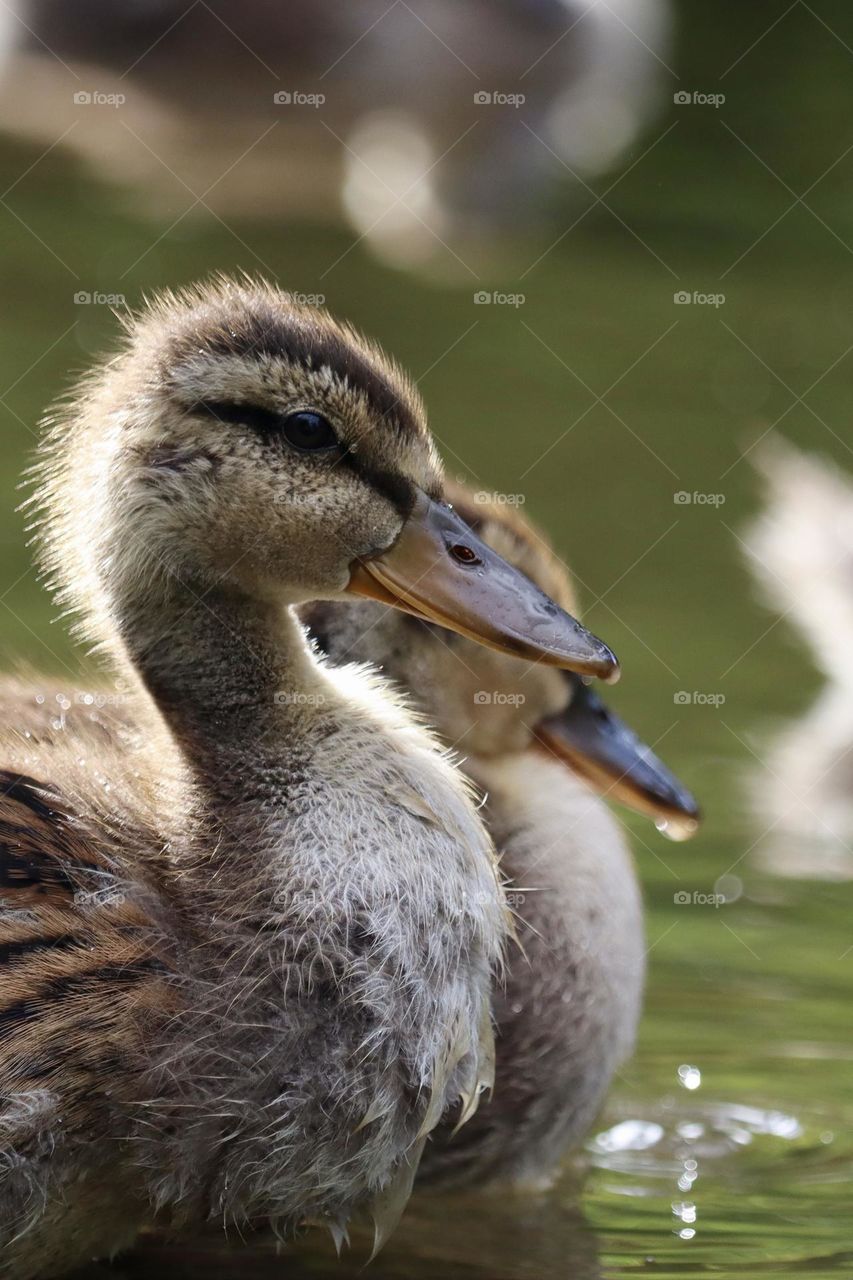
(249, 939)
(567, 1012)
(800, 552)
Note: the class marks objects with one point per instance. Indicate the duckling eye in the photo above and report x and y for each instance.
(308, 431)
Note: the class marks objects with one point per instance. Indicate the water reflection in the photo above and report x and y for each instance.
(517, 1239)
(674, 1145)
(672, 1187)
(800, 550)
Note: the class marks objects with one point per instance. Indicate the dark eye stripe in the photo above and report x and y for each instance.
(396, 488)
(265, 421)
(271, 425)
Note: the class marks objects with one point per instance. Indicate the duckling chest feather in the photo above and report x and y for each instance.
(342, 1002)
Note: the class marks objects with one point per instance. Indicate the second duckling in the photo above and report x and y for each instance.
(567, 1014)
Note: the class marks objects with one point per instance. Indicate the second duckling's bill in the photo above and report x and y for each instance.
(600, 747)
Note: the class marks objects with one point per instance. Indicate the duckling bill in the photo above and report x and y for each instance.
(439, 570)
(593, 741)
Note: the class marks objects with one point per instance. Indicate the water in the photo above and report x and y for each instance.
(727, 1143)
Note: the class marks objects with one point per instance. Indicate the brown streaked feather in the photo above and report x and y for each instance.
(79, 971)
(42, 854)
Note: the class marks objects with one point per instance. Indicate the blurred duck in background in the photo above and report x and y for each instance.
(567, 1014)
(800, 551)
(427, 125)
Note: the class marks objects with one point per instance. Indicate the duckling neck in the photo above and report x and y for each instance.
(234, 681)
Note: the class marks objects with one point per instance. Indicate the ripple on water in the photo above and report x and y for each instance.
(734, 1183)
(706, 1130)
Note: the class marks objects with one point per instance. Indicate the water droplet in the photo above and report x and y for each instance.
(677, 829)
(685, 1210)
(690, 1077)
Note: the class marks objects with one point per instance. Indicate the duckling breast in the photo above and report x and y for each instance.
(353, 1010)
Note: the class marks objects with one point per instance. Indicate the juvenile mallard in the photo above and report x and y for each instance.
(567, 1010)
(248, 943)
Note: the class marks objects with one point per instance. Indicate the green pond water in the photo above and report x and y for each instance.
(726, 1147)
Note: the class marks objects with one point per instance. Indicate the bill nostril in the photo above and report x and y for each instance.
(464, 555)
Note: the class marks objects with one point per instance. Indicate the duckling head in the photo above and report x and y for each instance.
(487, 703)
(241, 443)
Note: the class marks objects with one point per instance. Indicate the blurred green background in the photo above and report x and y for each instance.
(756, 993)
